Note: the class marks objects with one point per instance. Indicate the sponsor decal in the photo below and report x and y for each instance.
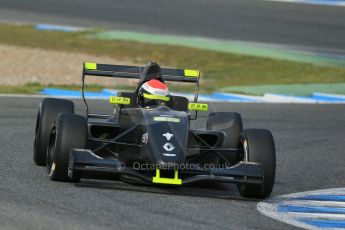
(169, 154)
(120, 100)
(168, 147)
(198, 106)
(167, 119)
(168, 135)
(145, 138)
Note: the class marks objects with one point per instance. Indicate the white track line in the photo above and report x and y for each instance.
(315, 2)
(318, 216)
(333, 204)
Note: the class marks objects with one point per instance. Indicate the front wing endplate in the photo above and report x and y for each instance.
(161, 180)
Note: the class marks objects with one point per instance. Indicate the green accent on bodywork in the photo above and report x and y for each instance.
(90, 66)
(160, 180)
(168, 119)
(198, 106)
(236, 47)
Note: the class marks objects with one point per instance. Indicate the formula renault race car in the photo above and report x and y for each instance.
(152, 145)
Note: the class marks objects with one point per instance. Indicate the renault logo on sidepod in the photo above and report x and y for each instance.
(168, 147)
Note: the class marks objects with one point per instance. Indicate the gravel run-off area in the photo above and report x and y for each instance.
(22, 65)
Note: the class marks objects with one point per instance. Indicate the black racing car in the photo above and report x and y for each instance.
(152, 145)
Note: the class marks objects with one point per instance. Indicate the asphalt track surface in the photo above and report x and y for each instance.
(313, 27)
(310, 155)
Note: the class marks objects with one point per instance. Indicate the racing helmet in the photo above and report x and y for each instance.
(153, 93)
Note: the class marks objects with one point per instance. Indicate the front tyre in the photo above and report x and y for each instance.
(70, 131)
(48, 110)
(258, 147)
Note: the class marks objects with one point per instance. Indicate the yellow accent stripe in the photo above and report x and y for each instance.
(191, 73)
(198, 106)
(156, 97)
(120, 100)
(90, 66)
(157, 179)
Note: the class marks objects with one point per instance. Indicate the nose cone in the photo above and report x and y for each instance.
(167, 136)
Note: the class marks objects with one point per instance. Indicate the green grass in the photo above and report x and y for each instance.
(21, 89)
(218, 70)
(33, 88)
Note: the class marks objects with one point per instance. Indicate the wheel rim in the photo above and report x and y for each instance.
(245, 150)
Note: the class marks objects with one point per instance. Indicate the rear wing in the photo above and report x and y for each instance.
(134, 72)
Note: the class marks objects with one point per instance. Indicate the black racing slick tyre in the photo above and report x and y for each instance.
(258, 147)
(48, 110)
(70, 131)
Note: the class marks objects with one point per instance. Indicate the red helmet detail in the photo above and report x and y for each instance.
(153, 92)
(155, 87)
(157, 84)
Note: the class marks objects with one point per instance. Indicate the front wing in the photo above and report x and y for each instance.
(85, 163)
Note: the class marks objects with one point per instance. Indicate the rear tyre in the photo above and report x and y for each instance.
(258, 147)
(70, 131)
(48, 110)
(231, 124)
